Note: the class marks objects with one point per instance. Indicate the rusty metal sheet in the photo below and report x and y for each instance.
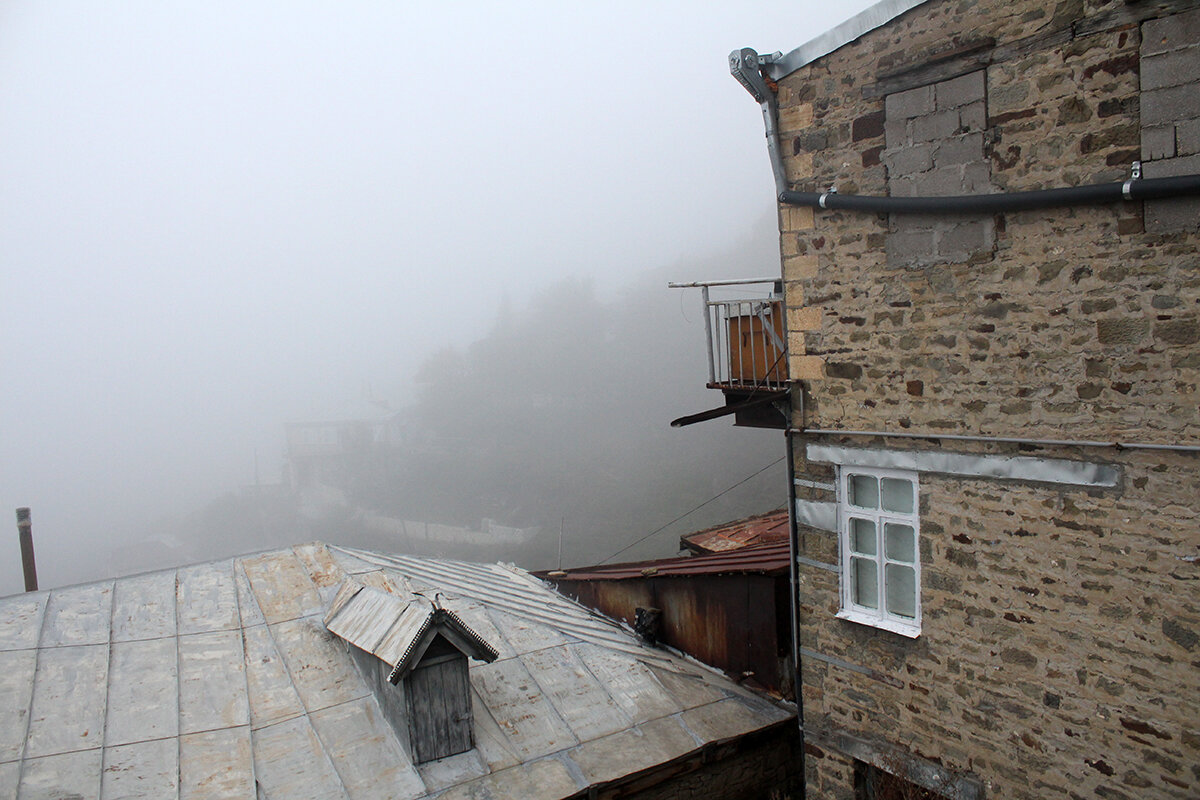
(68, 700)
(490, 741)
(10, 776)
(580, 700)
(78, 615)
(723, 720)
(630, 683)
(523, 635)
(390, 582)
(475, 616)
(370, 616)
(147, 770)
(206, 599)
(251, 614)
(365, 752)
(323, 570)
(272, 695)
(216, 765)
(282, 586)
(212, 682)
(143, 692)
(690, 687)
(21, 620)
(68, 775)
(531, 725)
(289, 762)
(632, 750)
(318, 663)
(144, 607)
(17, 669)
(548, 779)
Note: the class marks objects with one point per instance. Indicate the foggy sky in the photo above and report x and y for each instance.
(215, 217)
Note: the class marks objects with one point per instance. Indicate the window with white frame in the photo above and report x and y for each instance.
(881, 566)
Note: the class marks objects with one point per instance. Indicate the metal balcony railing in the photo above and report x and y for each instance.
(747, 340)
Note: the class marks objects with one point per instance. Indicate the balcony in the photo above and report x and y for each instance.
(747, 350)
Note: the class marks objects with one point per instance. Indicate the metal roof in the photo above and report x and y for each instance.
(865, 21)
(769, 528)
(221, 680)
(770, 559)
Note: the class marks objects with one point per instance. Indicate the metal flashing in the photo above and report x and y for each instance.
(816, 515)
(973, 465)
(861, 23)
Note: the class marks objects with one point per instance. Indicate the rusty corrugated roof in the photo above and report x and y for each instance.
(769, 559)
(761, 529)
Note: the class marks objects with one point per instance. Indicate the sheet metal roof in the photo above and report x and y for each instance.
(220, 680)
(769, 559)
(770, 528)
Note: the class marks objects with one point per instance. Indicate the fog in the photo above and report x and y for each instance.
(217, 218)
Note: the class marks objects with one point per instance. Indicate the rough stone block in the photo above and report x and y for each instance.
(807, 318)
(796, 218)
(961, 91)
(977, 177)
(939, 125)
(902, 187)
(1158, 142)
(964, 238)
(1170, 33)
(895, 133)
(806, 368)
(973, 117)
(867, 126)
(1171, 69)
(909, 160)
(909, 248)
(1164, 216)
(911, 103)
(1162, 106)
(962, 149)
(796, 117)
(798, 268)
(941, 182)
(1187, 137)
(1171, 167)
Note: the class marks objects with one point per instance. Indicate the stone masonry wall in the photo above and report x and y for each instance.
(1060, 646)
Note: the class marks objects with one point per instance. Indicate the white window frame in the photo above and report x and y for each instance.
(878, 618)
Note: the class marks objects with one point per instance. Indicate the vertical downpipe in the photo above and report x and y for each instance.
(708, 334)
(794, 596)
(25, 533)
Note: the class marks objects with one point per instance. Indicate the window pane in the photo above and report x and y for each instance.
(862, 536)
(898, 495)
(864, 583)
(863, 491)
(898, 542)
(901, 585)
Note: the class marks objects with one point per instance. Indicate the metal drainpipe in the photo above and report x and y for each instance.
(794, 597)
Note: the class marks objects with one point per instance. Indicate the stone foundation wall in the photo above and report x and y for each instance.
(1060, 646)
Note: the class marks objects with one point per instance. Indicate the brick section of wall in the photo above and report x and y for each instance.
(1170, 105)
(1061, 636)
(934, 138)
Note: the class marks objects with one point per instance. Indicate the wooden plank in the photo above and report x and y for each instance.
(439, 709)
(141, 771)
(629, 683)
(289, 762)
(67, 712)
(272, 695)
(321, 669)
(17, 668)
(212, 682)
(216, 765)
(366, 752)
(143, 692)
(531, 725)
(78, 615)
(69, 775)
(579, 698)
(282, 586)
(206, 599)
(21, 620)
(144, 607)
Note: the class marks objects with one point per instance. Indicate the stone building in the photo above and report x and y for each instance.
(995, 417)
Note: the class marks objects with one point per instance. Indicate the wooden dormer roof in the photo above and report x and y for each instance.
(396, 630)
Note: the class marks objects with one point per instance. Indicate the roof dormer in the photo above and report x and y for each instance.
(421, 648)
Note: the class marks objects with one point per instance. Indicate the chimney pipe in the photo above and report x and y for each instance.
(25, 531)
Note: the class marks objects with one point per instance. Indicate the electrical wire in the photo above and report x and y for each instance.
(697, 508)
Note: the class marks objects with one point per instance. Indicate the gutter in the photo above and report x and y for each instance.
(748, 67)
